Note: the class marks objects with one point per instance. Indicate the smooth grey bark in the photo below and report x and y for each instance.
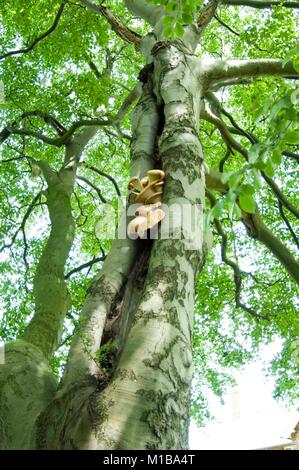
(225, 72)
(149, 12)
(26, 386)
(144, 403)
(147, 400)
(119, 262)
(26, 382)
(83, 376)
(116, 24)
(51, 297)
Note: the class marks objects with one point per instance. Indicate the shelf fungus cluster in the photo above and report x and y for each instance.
(147, 193)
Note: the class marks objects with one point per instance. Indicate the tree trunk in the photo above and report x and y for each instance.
(127, 382)
(26, 382)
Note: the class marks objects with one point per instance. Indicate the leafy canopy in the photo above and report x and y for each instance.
(84, 70)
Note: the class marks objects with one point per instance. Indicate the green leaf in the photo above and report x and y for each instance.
(179, 30)
(247, 203)
(254, 152)
(187, 18)
(217, 210)
(237, 211)
(171, 7)
(292, 137)
(279, 106)
(277, 156)
(233, 180)
(269, 168)
(296, 63)
(260, 165)
(168, 31)
(256, 178)
(168, 20)
(247, 189)
(214, 213)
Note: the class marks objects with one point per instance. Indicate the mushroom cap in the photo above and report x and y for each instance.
(134, 183)
(144, 181)
(154, 198)
(154, 175)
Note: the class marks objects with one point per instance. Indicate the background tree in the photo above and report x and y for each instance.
(71, 73)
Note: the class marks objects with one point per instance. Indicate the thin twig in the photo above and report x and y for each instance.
(23, 223)
(84, 266)
(93, 186)
(106, 175)
(225, 25)
(284, 217)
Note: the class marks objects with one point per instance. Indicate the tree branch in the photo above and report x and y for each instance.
(106, 72)
(13, 159)
(115, 22)
(82, 123)
(93, 186)
(63, 139)
(41, 37)
(149, 12)
(292, 155)
(81, 212)
(47, 118)
(225, 134)
(280, 196)
(49, 174)
(257, 230)
(52, 300)
(127, 103)
(225, 25)
(21, 228)
(64, 134)
(238, 131)
(207, 15)
(84, 266)
(224, 83)
(7, 131)
(106, 175)
(230, 141)
(286, 220)
(221, 71)
(233, 265)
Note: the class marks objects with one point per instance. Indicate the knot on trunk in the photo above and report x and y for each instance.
(160, 45)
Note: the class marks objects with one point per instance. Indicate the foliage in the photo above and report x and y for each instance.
(71, 76)
(179, 13)
(103, 356)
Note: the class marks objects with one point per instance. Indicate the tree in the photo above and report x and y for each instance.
(126, 380)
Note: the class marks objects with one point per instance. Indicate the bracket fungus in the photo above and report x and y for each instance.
(148, 193)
